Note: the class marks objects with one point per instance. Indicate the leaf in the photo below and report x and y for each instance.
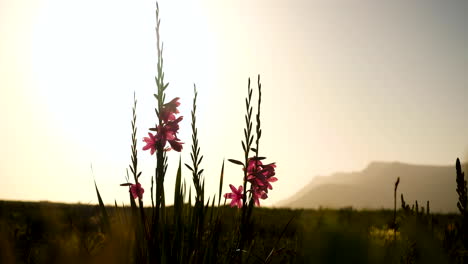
(190, 196)
(105, 217)
(221, 183)
(190, 168)
(236, 162)
(177, 192)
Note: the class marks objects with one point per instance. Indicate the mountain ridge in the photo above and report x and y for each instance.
(372, 187)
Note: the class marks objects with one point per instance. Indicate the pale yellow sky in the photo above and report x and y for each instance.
(344, 83)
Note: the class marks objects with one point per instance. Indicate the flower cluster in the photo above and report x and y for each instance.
(260, 176)
(167, 131)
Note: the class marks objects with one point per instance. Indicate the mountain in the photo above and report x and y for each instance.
(372, 188)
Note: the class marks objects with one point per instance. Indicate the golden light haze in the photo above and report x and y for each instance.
(344, 83)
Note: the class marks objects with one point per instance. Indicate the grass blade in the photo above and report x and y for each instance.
(221, 177)
(105, 216)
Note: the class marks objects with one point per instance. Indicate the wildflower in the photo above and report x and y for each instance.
(236, 196)
(137, 191)
(268, 170)
(164, 134)
(176, 145)
(260, 175)
(173, 125)
(150, 143)
(253, 165)
(259, 194)
(167, 131)
(168, 110)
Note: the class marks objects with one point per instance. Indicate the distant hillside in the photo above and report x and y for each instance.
(372, 188)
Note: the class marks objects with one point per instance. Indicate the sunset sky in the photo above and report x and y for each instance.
(344, 83)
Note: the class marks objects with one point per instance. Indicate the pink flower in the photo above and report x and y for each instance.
(259, 194)
(253, 165)
(268, 170)
(176, 145)
(137, 191)
(172, 105)
(163, 135)
(236, 196)
(167, 132)
(167, 115)
(168, 110)
(150, 143)
(260, 175)
(173, 125)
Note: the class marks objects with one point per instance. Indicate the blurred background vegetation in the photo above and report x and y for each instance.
(42, 232)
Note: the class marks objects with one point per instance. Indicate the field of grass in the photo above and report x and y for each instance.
(40, 232)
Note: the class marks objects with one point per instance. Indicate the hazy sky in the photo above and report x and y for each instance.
(344, 83)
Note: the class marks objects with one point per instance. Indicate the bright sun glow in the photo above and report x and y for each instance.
(93, 64)
(87, 62)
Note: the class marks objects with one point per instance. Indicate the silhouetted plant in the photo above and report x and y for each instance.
(406, 208)
(462, 203)
(394, 223)
(257, 174)
(394, 204)
(198, 217)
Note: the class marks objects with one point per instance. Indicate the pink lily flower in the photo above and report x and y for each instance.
(176, 145)
(167, 132)
(253, 166)
(260, 175)
(169, 109)
(172, 105)
(137, 191)
(236, 196)
(150, 143)
(259, 194)
(170, 134)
